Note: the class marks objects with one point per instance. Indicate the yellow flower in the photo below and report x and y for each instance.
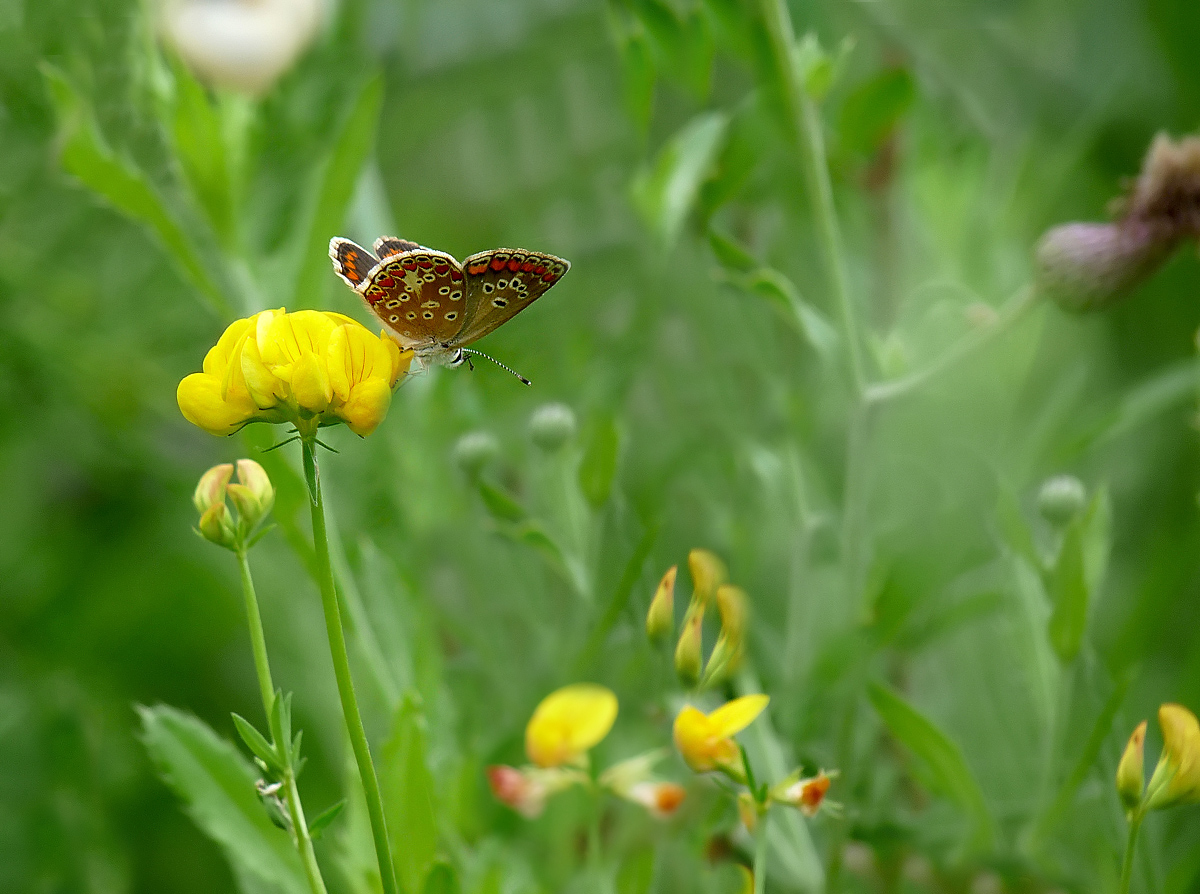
(310, 368)
(1176, 779)
(568, 723)
(1131, 778)
(705, 740)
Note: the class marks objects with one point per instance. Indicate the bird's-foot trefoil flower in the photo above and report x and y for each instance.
(633, 779)
(310, 368)
(806, 794)
(568, 723)
(1176, 778)
(706, 740)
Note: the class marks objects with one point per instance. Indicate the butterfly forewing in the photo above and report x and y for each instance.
(386, 246)
(419, 295)
(351, 262)
(503, 282)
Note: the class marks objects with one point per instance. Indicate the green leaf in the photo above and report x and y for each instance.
(941, 764)
(598, 466)
(200, 149)
(1077, 573)
(501, 505)
(666, 194)
(730, 253)
(318, 824)
(408, 795)
(872, 110)
(442, 879)
(639, 75)
(340, 176)
(217, 785)
(85, 155)
(257, 743)
(637, 873)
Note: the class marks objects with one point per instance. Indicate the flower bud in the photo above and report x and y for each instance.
(708, 573)
(552, 426)
(806, 795)
(661, 799)
(211, 488)
(632, 779)
(216, 525)
(473, 451)
(1091, 266)
(1176, 778)
(688, 656)
(1060, 499)
(522, 791)
(660, 620)
(1131, 779)
(727, 653)
(747, 811)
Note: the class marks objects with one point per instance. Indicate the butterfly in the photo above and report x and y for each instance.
(433, 304)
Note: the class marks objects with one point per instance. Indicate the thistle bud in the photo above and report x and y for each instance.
(708, 573)
(688, 658)
(660, 620)
(1060, 499)
(473, 451)
(552, 426)
(1131, 779)
(1091, 266)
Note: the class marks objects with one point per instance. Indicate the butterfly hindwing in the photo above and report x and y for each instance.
(503, 282)
(419, 294)
(351, 261)
(386, 246)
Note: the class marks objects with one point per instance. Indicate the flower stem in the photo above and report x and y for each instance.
(1135, 824)
(258, 641)
(258, 644)
(760, 854)
(806, 123)
(341, 670)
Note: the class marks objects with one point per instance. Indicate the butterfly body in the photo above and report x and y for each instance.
(434, 305)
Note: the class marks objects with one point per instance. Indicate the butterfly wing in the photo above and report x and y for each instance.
(419, 295)
(501, 283)
(351, 261)
(386, 246)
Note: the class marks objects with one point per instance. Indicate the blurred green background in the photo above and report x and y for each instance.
(140, 212)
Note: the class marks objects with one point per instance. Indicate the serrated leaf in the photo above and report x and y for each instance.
(666, 194)
(501, 505)
(342, 168)
(257, 743)
(442, 879)
(318, 824)
(217, 786)
(409, 795)
(598, 467)
(85, 155)
(942, 767)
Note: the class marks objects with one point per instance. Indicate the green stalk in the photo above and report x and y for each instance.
(258, 644)
(341, 670)
(806, 123)
(1135, 824)
(760, 854)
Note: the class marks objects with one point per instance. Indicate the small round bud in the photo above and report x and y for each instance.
(211, 488)
(552, 426)
(474, 450)
(216, 526)
(1061, 498)
(688, 651)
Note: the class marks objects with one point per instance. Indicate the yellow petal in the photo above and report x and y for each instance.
(310, 383)
(217, 358)
(733, 717)
(1181, 750)
(368, 404)
(569, 722)
(1131, 774)
(200, 401)
(693, 738)
(401, 360)
(708, 573)
(264, 388)
(290, 336)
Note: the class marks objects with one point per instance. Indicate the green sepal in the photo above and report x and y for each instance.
(323, 819)
(258, 744)
(259, 536)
